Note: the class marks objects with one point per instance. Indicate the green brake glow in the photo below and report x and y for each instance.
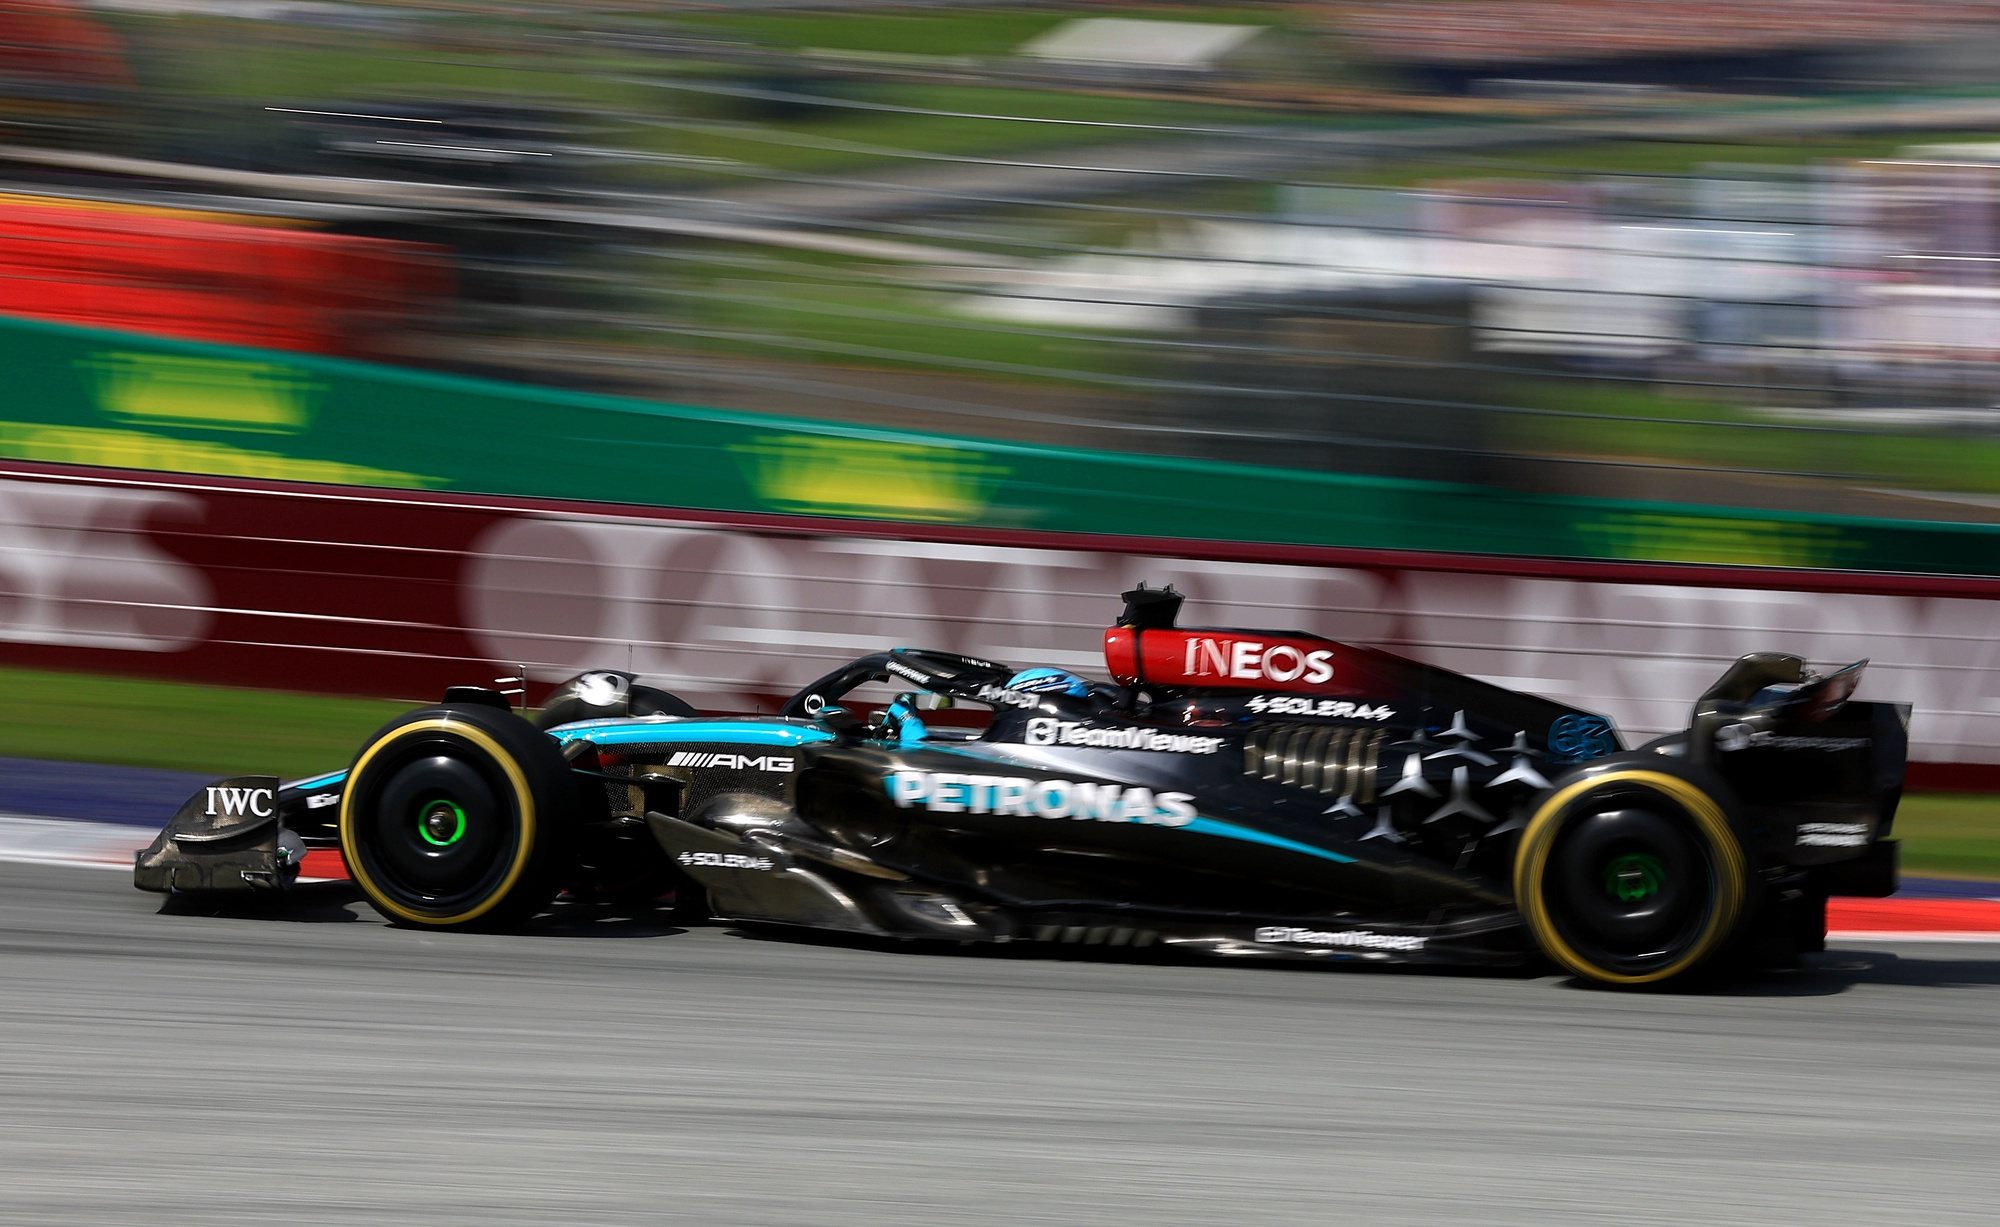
(1634, 876)
(457, 831)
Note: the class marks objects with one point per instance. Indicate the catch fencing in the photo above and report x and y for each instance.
(1281, 261)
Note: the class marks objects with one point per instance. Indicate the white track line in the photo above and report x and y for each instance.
(1870, 935)
(54, 841)
(26, 840)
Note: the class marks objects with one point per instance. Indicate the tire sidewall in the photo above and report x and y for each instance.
(1700, 801)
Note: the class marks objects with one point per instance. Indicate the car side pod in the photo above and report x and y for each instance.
(225, 838)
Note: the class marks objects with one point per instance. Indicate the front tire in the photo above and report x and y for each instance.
(1631, 876)
(458, 816)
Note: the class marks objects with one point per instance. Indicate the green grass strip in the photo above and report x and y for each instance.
(1628, 420)
(208, 729)
(1954, 835)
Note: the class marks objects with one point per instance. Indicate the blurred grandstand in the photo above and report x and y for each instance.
(1814, 45)
(1681, 250)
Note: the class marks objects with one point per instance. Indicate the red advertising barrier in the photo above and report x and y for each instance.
(57, 39)
(345, 594)
(400, 595)
(170, 274)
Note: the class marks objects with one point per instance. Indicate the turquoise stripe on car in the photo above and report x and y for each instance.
(1229, 830)
(319, 781)
(679, 732)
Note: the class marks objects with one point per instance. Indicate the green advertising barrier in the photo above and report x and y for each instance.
(81, 397)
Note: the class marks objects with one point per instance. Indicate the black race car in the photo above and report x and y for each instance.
(1240, 792)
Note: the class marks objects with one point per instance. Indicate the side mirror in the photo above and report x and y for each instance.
(838, 718)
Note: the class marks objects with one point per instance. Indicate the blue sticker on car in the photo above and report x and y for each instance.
(1577, 738)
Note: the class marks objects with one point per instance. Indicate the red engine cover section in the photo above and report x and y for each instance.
(1231, 660)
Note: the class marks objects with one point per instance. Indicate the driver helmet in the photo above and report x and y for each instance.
(1045, 680)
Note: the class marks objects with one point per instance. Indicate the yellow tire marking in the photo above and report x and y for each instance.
(523, 797)
(1539, 839)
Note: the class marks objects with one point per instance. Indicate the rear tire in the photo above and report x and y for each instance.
(457, 817)
(1631, 876)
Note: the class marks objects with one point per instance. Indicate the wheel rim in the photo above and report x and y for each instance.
(437, 826)
(1634, 876)
(1631, 888)
(442, 824)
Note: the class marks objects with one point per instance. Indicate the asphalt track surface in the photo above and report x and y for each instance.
(314, 1065)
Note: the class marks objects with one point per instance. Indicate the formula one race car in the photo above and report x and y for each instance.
(1237, 792)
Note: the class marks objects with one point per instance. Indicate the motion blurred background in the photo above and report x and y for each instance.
(1324, 299)
(1576, 246)
(352, 349)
